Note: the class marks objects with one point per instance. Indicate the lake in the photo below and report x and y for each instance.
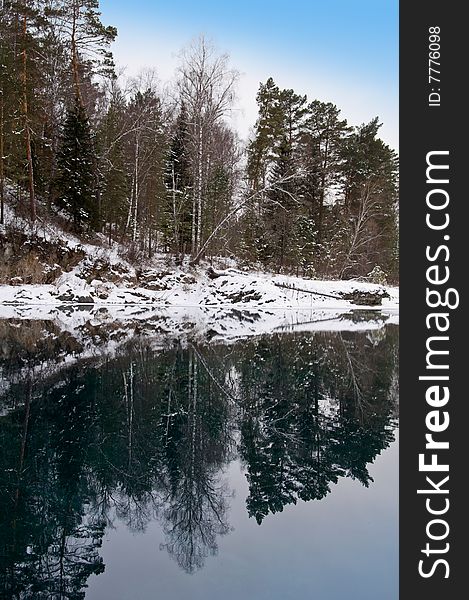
(262, 468)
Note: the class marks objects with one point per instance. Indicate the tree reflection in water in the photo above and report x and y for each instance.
(148, 436)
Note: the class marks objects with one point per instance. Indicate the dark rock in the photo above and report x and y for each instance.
(244, 296)
(16, 281)
(69, 296)
(155, 286)
(211, 333)
(362, 298)
(188, 279)
(212, 274)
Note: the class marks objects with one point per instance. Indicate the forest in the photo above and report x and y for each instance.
(159, 169)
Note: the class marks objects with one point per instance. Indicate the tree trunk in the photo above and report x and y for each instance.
(27, 132)
(24, 439)
(2, 200)
(175, 222)
(131, 203)
(131, 417)
(322, 192)
(75, 64)
(62, 551)
(321, 210)
(136, 191)
(194, 415)
(193, 226)
(198, 240)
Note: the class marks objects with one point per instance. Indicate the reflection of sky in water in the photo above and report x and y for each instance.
(342, 547)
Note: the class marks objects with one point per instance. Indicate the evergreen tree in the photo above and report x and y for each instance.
(370, 203)
(292, 112)
(268, 134)
(86, 38)
(21, 73)
(280, 212)
(364, 156)
(76, 183)
(321, 146)
(178, 179)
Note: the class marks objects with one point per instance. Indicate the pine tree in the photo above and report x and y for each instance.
(268, 133)
(20, 72)
(76, 183)
(293, 111)
(362, 156)
(273, 155)
(87, 38)
(6, 89)
(369, 203)
(280, 213)
(321, 147)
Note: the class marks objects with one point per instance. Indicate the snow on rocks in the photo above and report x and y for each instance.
(104, 283)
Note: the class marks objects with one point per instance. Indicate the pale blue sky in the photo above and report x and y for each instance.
(343, 51)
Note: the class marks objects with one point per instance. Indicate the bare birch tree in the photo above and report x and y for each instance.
(206, 86)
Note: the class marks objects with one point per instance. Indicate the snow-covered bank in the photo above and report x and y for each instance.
(180, 287)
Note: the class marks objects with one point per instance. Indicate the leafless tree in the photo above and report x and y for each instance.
(206, 85)
(361, 231)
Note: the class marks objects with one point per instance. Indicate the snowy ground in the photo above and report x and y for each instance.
(179, 288)
(168, 301)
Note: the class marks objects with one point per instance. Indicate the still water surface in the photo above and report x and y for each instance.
(264, 469)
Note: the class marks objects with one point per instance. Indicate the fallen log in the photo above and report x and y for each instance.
(359, 297)
(296, 289)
